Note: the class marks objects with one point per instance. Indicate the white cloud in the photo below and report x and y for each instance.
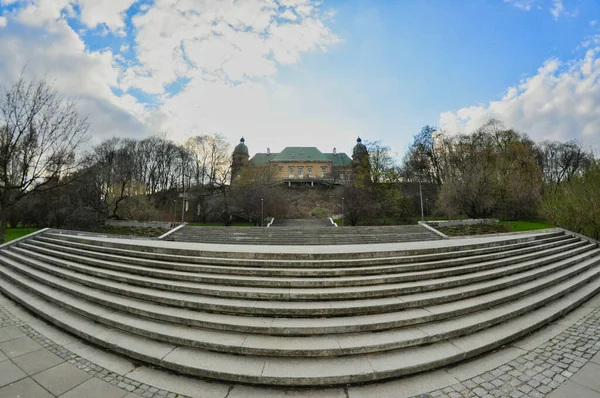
(228, 52)
(593, 23)
(3, 22)
(560, 102)
(231, 41)
(92, 12)
(58, 54)
(522, 4)
(556, 7)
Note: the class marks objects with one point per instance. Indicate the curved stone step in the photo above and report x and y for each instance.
(92, 275)
(324, 345)
(300, 371)
(309, 278)
(433, 303)
(416, 251)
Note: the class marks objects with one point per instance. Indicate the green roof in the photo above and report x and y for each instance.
(262, 159)
(305, 154)
(341, 159)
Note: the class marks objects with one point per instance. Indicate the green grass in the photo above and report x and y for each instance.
(517, 226)
(15, 233)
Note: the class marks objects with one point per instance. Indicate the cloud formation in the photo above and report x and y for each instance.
(185, 67)
(556, 7)
(560, 102)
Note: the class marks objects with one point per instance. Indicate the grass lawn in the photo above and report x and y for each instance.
(517, 226)
(14, 233)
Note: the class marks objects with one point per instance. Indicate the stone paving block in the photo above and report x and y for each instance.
(61, 378)
(95, 388)
(19, 346)
(37, 361)
(588, 376)
(3, 357)
(486, 363)
(9, 372)
(10, 333)
(573, 390)
(179, 384)
(242, 391)
(112, 362)
(25, 388)
(406, 387)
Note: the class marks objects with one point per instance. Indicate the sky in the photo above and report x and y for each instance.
(313, 73)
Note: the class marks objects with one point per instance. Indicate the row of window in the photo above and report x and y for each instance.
(309, 171)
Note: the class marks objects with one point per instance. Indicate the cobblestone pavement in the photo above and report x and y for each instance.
(538, 372)
(534, 374)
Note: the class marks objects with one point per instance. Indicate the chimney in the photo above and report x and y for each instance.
(334, 151)
(268, 151)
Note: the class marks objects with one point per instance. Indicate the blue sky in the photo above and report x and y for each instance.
(300, 72)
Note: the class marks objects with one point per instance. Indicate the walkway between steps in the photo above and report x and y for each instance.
(40, 361)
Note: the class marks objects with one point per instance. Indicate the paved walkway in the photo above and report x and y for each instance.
(39, 361)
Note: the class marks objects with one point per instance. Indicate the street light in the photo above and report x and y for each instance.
(262, 211)
(174, 211)
(342, 212)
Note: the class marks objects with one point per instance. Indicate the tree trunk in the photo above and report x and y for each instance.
(3, 223)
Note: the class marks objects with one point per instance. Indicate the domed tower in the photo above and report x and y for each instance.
(239, 158)
(361, 166)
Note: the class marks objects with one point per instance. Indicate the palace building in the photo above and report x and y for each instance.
(301, 165)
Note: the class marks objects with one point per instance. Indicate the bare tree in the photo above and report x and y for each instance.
(40, 132)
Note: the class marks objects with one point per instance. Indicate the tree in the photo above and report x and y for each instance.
(575, 204)
(40, 133)
(426, 159)
(493, 171)
(561, 161)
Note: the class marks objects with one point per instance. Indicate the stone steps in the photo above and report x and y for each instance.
(299, 371)
(298, 236)
(328, 345)
(340, 257)
(145, 286)
(300, 277)
(301, 317)
(307, 270)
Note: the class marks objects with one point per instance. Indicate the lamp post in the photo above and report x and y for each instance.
(342, 212)
(174, 211)
(421, 194)
(183, 199)
(262, 211)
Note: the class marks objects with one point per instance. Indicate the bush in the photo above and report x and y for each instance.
(575, 205)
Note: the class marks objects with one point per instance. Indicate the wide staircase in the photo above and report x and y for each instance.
(299, 236)
(298, 317)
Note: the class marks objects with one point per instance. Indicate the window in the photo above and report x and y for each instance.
(291, 172)
(300, 172)
(309, 171)
(323, 171)
(341, 176)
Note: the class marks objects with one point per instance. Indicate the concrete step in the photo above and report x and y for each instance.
(101, 277)
(184, 271)
(552, 287)
(300, 371)
(127, 297)
(298, 236)
(418, 251)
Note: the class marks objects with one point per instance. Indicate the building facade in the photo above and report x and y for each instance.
(300, 165)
